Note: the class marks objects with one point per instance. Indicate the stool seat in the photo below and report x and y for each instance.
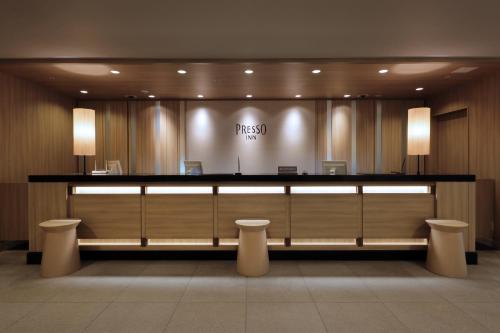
(59, 225)
(60, 254)
(447, 225)
(252, 224)
(253, 259)
(446, 251)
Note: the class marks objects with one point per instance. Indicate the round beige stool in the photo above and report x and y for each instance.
(60, 248)
(253, 259)
(446, 252)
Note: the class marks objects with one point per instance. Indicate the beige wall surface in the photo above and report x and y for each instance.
(270, 133)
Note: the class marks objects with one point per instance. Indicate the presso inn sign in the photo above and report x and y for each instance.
(251, 132)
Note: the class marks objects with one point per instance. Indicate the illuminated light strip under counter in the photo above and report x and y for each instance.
(403, 189)
(324, 189)
(395, 241)
(322, 242)
(180, 242)
(107, 190)
(251, 190)
(235, 241)
(109, 242)
(179, 190)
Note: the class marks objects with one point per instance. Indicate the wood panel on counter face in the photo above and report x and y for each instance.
(179, 216)
(14, 217)
(111, 132)
(47, 201)
(457, 201)
(481, 99)
(325, 216)
(273, 207)
(154, 137)
(107, 216)
(397, 215)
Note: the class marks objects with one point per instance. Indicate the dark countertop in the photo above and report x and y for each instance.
(79, 178)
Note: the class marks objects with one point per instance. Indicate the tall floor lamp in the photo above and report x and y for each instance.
(419, 133)
(83, 134)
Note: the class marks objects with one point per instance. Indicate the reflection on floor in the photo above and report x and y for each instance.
(209, 296)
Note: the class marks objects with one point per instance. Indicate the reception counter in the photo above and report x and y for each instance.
(307, 212)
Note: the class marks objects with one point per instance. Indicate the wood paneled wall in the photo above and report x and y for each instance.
(35, 130)
(378, 144)
(154, 138)
(111, 132)
(35, 136)
(481, 99)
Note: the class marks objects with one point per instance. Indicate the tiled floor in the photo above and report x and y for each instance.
(209, 296)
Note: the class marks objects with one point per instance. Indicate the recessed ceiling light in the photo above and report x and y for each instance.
(419, 89)
(248, 71)
(383, 71)
(151, 96)
(298, 96)
(182, 71)
(249, 96)
(200, 96)
(114, 72)
(316, 71)
(84, 91)
(347, 96)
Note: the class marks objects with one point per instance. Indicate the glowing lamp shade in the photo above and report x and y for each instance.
(83, 132)
(419, 131)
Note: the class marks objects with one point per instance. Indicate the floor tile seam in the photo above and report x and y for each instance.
(176, 306)
(315, 305)
(22, 317)
(97, 316)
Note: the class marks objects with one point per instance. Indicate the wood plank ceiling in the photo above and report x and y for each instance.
(228, 80)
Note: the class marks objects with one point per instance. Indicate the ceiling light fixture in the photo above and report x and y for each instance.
(200, 96)
(182, 71)
(347, 96)
(383, 71)
(298, 96)
(114, 72)
(316, 71)
(249, 96)
(84, 91)
(151, 96)
(419, 89)
(248, 71)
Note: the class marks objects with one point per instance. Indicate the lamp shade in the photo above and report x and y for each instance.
(83, 132)
(419, 131)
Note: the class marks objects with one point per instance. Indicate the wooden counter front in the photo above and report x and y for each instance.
(299, 221)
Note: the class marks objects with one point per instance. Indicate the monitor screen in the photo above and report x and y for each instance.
(193, 168)
(334, 167)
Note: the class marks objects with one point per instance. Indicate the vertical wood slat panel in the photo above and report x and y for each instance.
(365, 136)
(36, 138)
(35, 131)
(156, 136)
(481, 98)
(341, 131)
(392, 136)
(321, 133)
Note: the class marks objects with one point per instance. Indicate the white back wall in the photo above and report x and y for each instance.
(264, 134)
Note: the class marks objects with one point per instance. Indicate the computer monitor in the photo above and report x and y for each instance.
(193, 168)
(334, 167)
